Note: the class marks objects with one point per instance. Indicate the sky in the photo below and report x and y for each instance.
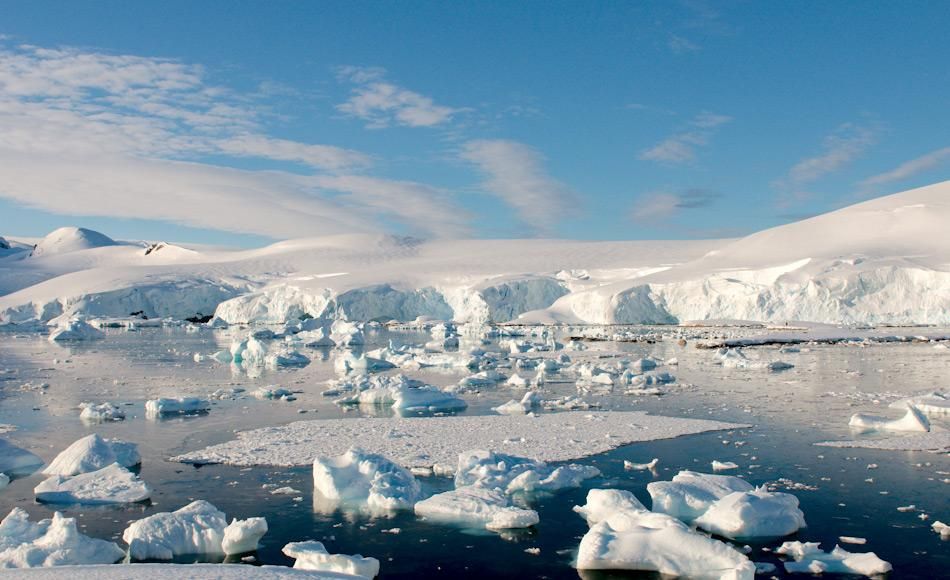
(239, 123)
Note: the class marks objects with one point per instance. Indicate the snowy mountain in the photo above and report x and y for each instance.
(882, 261)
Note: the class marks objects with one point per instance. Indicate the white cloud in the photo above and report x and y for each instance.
(382, 104)
(843, 146)
(681, 146)
(515, 173)
(661, 204)
(679, 44)
(909, 168)
(85, 133)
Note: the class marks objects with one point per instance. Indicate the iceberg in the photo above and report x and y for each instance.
(690, 494)
(753, 514)
(913, 420)
(55, 542)
(92, 453)
(113, 484)
(312, 555)
(477, 506)
(810, 559)
(365, 480)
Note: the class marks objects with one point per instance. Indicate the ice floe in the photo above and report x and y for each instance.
(113, 484)
(365, 481)
(936, 441)
(935, 403)
(17, 461)
(75, 330)
(312, 555)
(92, 453)
(197, 528)
(753, 514)
(810, 559)
(478, 506)
(623, 535)
(155, 408)
(913, 420)
(690, 494)
(430, 441)
(512, 474)
(403, 395)
(529, 402)
(50, 542)
(100, 413)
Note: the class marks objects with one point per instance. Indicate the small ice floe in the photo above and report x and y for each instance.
(936, 403)
(480, 380)
(810, 559)
(17, 461)
(273, 392)
(346, 333)
(529, 402)
(476, 506)
(913, 420)
(942, 529)
(852, 540)
(623, 535)
(92, 453)
(155, 408)
(55, 542)
(367, 481)
(100, 413)
(723, 465)
(75, 330)
(753, 514)
(631, 466)
(512, 474)
(286, 358)
(517, 381)
(405, 395)
(312, 555)
(317, 338)
(734, 358)
(347, 362)
(113, 484)
(197, 528)
(690, 494)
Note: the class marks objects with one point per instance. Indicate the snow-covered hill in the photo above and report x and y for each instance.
(881, 261)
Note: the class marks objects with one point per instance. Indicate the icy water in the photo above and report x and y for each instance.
(840, 495)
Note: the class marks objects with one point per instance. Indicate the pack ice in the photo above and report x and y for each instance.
(863, 264)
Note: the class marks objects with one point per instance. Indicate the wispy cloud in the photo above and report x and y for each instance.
(515, 173)
(908, 169)
(382, 104)
(661, 205)
(681, 146)
(87, 133)
(846, 144)
(680, 44)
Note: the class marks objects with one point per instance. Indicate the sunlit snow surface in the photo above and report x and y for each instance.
(42, 385)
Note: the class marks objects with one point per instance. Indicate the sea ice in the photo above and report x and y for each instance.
(625, 536)
(480, 506)
(810, 559)
(17, 461)
(511, 474)
(100, 413)
(197, 528)
(155, 408)
(753, 514)
(56, 542)
(913, 420)
(942, 529)
(529, 402)
(405, 395)
(92, 453)
(690, 494)
(723, 465)
(113, 484)
(360, 479)
(312, 555)
(75, 330)
(4, 480)
(936, 403)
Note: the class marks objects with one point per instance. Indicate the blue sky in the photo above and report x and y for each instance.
(242, 122)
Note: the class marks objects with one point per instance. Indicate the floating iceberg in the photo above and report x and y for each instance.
(56, 542)
(113, 484)
(92, 453)
(74, 330)
(810, 559)
(690, 494)
(529, 402)
(313, 555)
(753, 514)
(155, 408)
(511, 474)
(913, 420)
(625, 536)
(471, 505)
(197, 528)
(100, 413)
(359, 479)
(404, 394)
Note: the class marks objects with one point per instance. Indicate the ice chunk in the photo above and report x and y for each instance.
(690, 494)
(403, 394)
(810, 559)
(942, 529)
(17, 461)
(110, 485)
(311, 555)
(753, 514)
(92, 453)
(155, 408)
(629, 465)
(734, 358)
(286, 358)
(511, 474)
(347, 362)
(359, 479)
(913, 420)
(75, 330)
(936, 403)
(197, 528)
(100, 413)
(317, 338)
(471, 505)
(273, 392)
(625, 536)
(347, 333)
(56, 542)
(723, 465)
(530, 401)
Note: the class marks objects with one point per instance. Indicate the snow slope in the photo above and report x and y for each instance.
(881, 261)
